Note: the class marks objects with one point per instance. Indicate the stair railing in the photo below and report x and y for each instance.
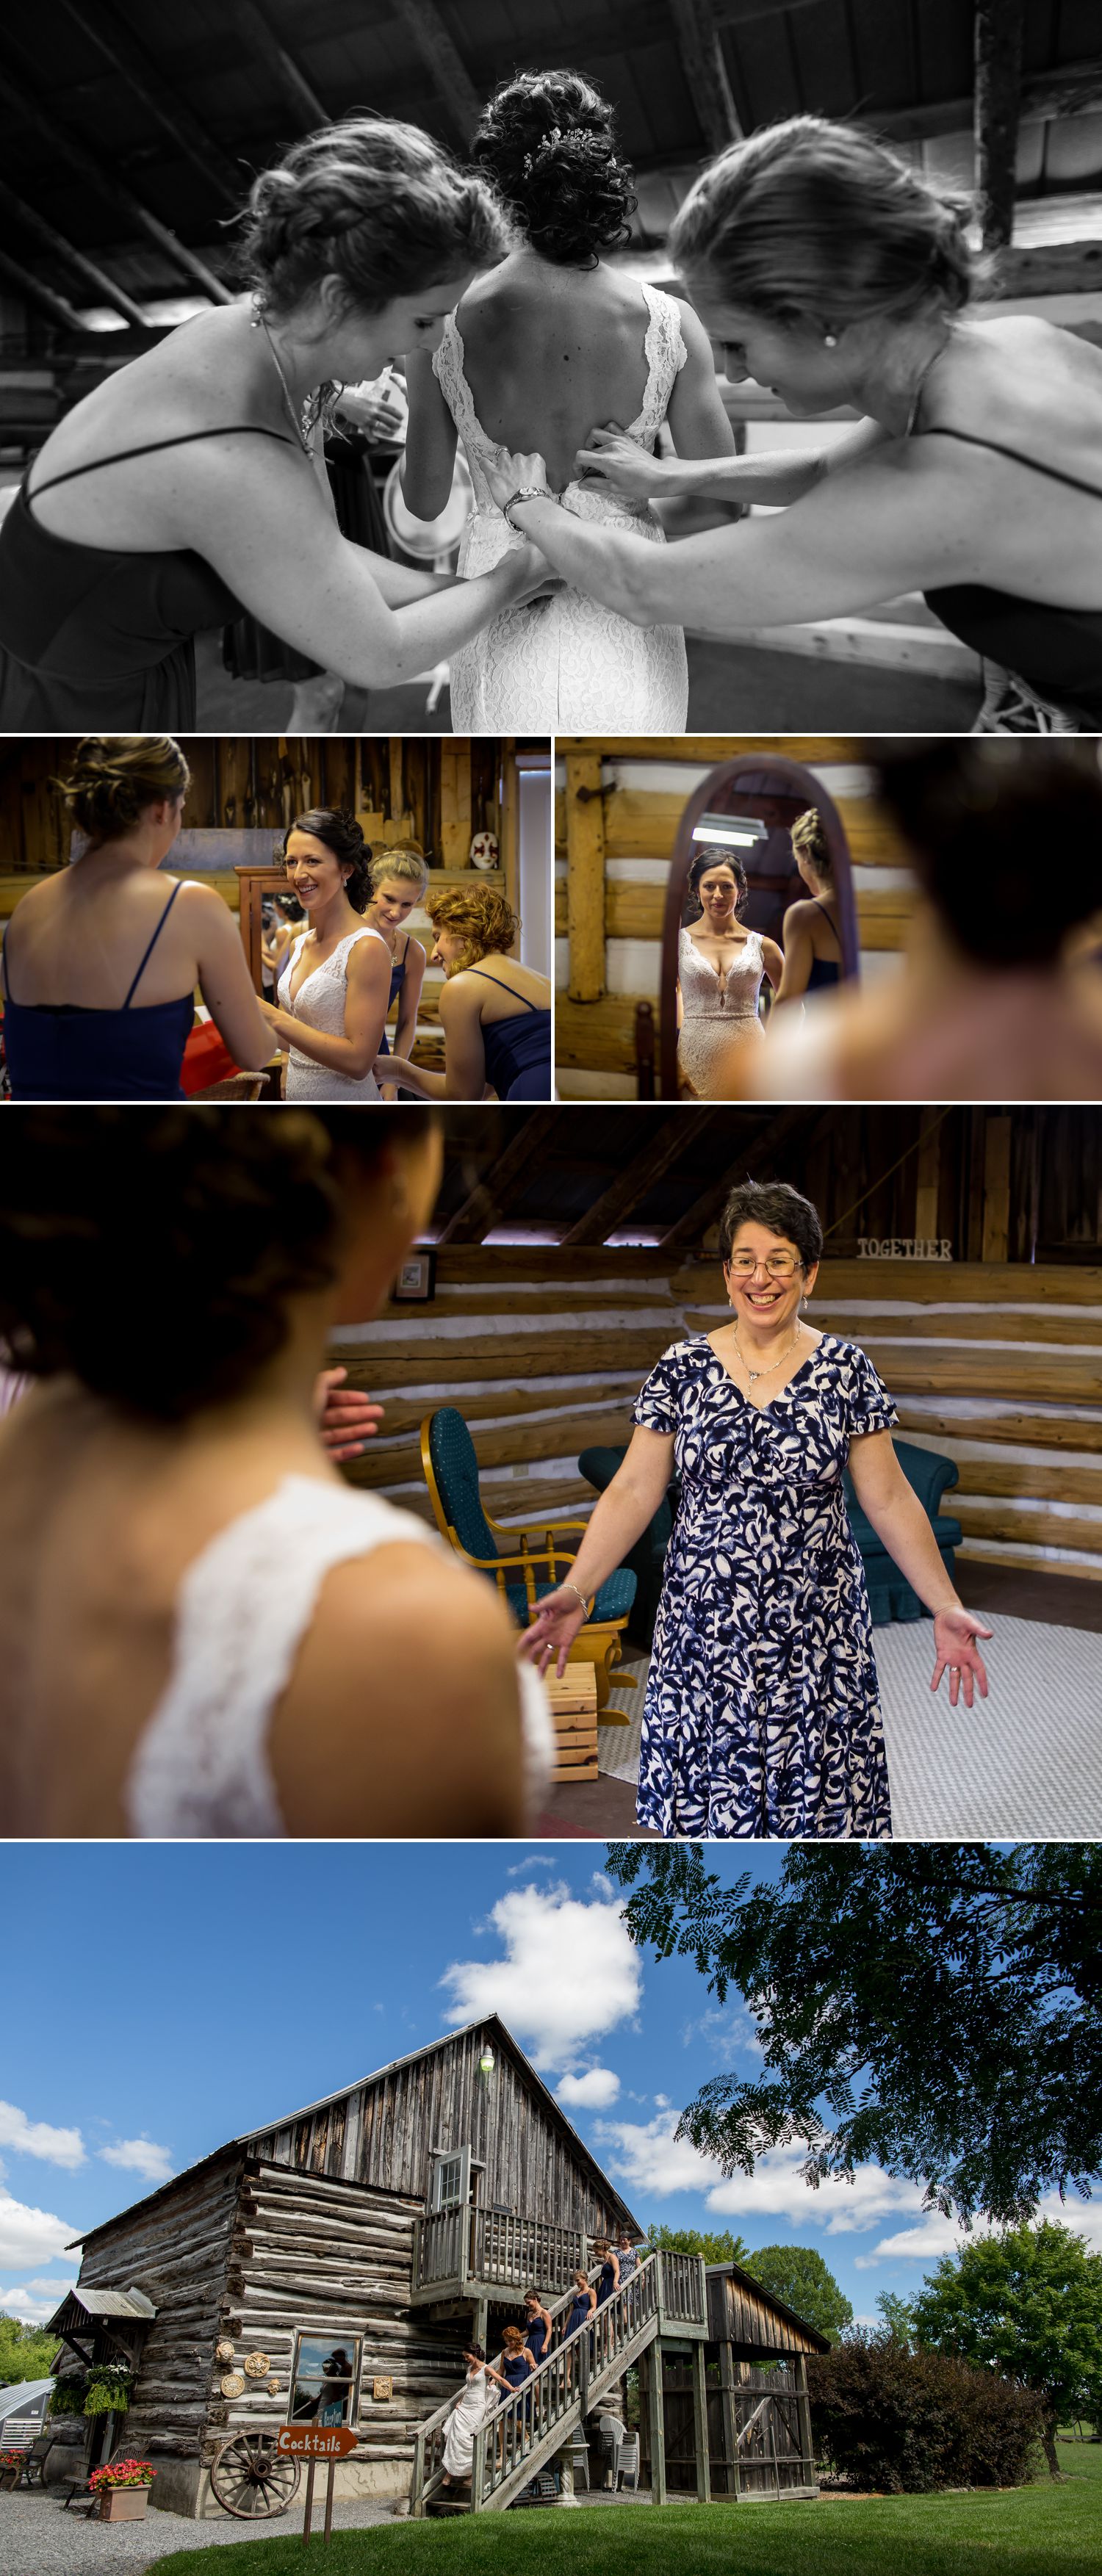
(428, 2449)
(558, 2392)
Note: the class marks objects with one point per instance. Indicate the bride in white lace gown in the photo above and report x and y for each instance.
(540, 352)
(334, 989)
(720, 971)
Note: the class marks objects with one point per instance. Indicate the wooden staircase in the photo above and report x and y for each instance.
(666, 2295)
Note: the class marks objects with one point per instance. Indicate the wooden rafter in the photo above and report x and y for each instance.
(1076, 90)
(136, 67)
(1000, 36)
(444, 64)
(666, 1141)
(701, 50)
(770, 1141)
(70, 155)
(490, 1196)
(263, 47)
(29, 221)
(26, 283)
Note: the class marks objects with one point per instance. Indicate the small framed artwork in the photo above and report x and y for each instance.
(416, 1281)
(381, 2389)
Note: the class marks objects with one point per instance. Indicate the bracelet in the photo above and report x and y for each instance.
(528, 492)
(579, 1595)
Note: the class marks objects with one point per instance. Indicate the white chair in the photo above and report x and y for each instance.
(627, 2462)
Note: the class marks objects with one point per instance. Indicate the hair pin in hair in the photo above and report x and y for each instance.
(546, 144)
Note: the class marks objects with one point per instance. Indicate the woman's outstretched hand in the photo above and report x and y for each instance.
(347, 1420)
(955, 1634)
(610, 456)
(557, 1622)
(518, 474)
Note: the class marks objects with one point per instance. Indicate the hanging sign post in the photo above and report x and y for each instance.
(314, 2442)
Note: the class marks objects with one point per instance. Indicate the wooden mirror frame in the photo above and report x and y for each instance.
(792, 780)
(254, 881)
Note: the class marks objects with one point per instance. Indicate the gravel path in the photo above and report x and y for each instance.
(38, 2537)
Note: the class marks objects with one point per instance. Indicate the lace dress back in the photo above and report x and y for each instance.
(719, 1011)
(320, 1001)
(246, 1602)
(566, 661)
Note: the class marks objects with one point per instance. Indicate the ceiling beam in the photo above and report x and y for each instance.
(32, 287)
(701, 49)
(55, 243)
(130, 60)
(71, 156)
(999, 40)
(264, 49)
(444, 64)
(1045, 98)
(483, 1205)
(667, 1140)
(769, 1141)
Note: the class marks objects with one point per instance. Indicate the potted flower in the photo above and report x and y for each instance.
(122, 2488)
(11, 2467)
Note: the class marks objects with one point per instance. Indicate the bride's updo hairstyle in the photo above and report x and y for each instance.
(159, 1272)
(815, 223)
(376, 203)
(340, 833)
(703, 865)
(546, 142)
(809, 842)
(114, 776)
(985, 821)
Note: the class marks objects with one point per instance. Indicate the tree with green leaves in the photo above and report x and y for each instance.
(799, 2278)
(899, 2318)
(937, 2008)
(25, 2352)
(722, 2248)
(1028, 2303)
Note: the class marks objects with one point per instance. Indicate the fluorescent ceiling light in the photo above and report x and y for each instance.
(734, 836)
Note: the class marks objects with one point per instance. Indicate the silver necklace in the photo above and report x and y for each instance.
(292, 415)
(754, 1374)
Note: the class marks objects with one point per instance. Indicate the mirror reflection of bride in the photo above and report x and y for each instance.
(720, 969)
(545, 348)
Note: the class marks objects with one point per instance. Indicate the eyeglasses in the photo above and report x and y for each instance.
(780, 1265)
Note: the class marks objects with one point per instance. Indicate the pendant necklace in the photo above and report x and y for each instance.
(754, 1374)
(292, 415)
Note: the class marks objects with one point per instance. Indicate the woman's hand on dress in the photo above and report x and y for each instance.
(347, 1420)
(557, 1622)
(518, 474)
(529, 574)
(955, 1634)
(610, 456)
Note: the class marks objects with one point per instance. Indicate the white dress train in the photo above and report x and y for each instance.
(476, 2400)
(567, 661)
(320, 1002)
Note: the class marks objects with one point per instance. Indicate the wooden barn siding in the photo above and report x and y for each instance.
(745, 2318)
(311, 2255)
(442, 2101)
(179, 2253)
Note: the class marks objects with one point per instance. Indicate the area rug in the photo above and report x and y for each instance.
(1023, 1765)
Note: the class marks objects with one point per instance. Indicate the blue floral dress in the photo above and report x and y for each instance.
(762, 1713)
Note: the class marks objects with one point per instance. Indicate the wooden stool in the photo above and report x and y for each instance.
(574, 1714)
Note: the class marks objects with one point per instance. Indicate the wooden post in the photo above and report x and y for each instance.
(998, 40)
(996, 1187)
(656, 2424)
(417, 2483)
(702, 60)
(308, 2514)
(928, 1174)
(478, 2469)
(730, 2426)
(700, 2425)
(328, 2531)
(585, 876)
(509, 830)
(480, 2321)
(803, 2411)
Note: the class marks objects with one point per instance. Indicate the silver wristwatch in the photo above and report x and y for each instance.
(529, 492)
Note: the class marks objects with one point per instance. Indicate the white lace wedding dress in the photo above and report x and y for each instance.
(720, 1011)
(320, 1002)
(566, 662)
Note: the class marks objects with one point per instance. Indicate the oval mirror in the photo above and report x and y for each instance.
(748, 805)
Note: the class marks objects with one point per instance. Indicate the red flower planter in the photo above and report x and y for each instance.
(123, 2504)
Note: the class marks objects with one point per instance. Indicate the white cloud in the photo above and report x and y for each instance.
(37, 2138)
(724, 2032)
(30, 2235)
(592, 2091)
(569, 1972)
(141, 2156)
(531, 1861)
(33, 2301)
(652, 2159)
(934, 2235)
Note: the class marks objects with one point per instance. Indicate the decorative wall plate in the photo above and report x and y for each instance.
(257, 2365)
(223, 2351)
(272, 2386)
(232, 2385)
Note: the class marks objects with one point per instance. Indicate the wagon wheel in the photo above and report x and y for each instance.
(252, 2479)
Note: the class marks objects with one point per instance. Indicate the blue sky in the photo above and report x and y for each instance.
(179, 1994)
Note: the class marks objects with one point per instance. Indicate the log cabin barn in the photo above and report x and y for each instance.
(132, 135)
(621, 815)
(437, 794)
(329, 2268)
(964, 1253)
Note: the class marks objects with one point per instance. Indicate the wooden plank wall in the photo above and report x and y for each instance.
(613, 845)
(996, 1364)
(177, 2248)
(381, 2134)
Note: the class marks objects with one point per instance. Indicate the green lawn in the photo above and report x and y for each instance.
(1040, 2530)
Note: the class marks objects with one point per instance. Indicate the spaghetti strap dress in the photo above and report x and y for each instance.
(95, 639)
(397, 979)
(63, 1051)
(1055, 652)
(825, 971)
(762, 1716)
(518, 1051)
(320, 1004)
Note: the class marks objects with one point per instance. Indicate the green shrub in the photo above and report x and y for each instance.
(909, 2422)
